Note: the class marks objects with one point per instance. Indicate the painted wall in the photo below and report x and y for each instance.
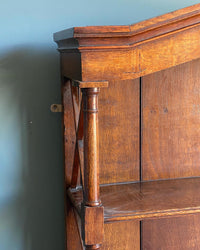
(31, 173)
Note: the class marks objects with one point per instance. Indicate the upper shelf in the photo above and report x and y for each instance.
(147, 199)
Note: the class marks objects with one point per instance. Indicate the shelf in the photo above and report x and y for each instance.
(146, 199)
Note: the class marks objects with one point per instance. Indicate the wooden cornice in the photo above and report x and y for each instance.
(126, 36)
(131, 51)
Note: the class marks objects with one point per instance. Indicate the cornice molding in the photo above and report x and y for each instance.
(126, 36)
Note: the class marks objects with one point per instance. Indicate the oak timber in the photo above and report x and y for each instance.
(143, 80)
(146, 199)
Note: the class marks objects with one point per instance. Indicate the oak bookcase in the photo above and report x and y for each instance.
(131, 125)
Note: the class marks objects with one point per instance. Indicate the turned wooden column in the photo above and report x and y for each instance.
(91, 147)
(92, 211)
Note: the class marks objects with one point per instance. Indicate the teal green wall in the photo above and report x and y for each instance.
(31, 173)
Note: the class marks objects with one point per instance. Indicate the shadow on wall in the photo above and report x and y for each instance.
(31, 168)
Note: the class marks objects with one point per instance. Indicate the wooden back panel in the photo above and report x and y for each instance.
(170, 114)
(171, 122)
(169, 108)
(176, 233)
(121, 235)
(119, 131)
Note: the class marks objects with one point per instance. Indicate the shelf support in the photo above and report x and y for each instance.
(92, 213)
(91, 146)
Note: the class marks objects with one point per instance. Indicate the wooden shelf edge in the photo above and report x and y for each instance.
(146, 200)
(88, 84)
(151, 215)
(142, 216)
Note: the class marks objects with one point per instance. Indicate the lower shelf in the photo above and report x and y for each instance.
(146, 199)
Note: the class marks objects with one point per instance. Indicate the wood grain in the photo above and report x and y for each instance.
(172, 234)
(182, 16)
(78, 117)
(73, 234)
(92, 211)
(92, 225)
(146, 199)
(82, 85)
(142, 34)
(148, 131)
(69, 131)
(144, 58)
(91, 146)
(119, 132)
(122, 235)
(171, 131)
(127, 52)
